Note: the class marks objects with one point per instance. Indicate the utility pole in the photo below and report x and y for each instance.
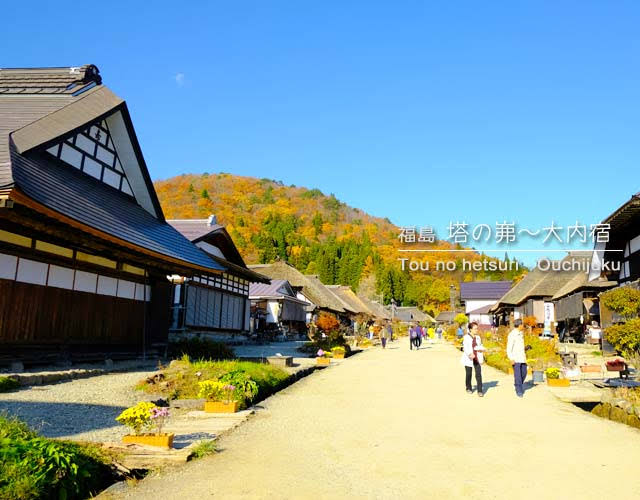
(452, 297)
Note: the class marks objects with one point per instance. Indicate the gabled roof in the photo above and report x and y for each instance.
(353, 302)
(43, 106)
(408, 314)
(275, 289)
(378, 309)
(542, 284)
(580, 282)
(210, 232)
(481, 310)
(312, 289)
(446, 317)
(43, 81)
(483, 289)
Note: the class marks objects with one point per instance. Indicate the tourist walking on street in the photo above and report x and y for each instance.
(383, 336)
(439, 332)
(413, 336)
(517, 356)
(472, 358)
(390, 331)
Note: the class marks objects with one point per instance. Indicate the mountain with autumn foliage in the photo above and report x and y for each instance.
(318, 234)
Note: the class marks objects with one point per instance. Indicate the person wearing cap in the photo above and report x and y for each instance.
(517, 356)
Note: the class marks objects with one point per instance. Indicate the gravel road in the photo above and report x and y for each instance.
(82, 409)
(398, 424)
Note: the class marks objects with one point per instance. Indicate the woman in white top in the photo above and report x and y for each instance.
(472, 357)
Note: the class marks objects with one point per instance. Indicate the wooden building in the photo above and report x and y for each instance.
(309, 289)
(622, 252)
(478, 297)
(276, 307)
(220, 304)
(538, 288)
(84, 246)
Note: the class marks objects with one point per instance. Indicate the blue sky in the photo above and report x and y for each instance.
(422, 112)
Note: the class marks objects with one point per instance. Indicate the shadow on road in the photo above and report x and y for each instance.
(63, 419)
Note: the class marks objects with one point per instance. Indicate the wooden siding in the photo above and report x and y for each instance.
(33, 314)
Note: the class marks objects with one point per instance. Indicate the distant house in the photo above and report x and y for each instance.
(352, 301)
(309, 289)
(84, 246)
(445, 317)
(380, 312)
(275, 306)
(217, 305)
(479, 296)
(412, 314)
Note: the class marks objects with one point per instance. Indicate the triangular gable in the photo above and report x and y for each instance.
(104, 112)
(93, 152)
(285, 289)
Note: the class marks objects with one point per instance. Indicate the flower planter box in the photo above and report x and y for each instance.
(323, 361)
(558, 382)
(161, 440)
(590, 368)
(220, 407)
(338, 355)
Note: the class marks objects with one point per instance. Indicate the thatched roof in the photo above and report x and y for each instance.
(353, 302)
(545, 283)
(446, 317)
(408, 314)
(311, 287)
(379, 311)
(581, 281)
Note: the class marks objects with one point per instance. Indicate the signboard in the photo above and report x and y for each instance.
(548, 317)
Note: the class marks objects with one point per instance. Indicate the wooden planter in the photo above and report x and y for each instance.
(558, 382)
(338, 355)
(220, 407)
(161, 440)
(323, 361)
(591, 369)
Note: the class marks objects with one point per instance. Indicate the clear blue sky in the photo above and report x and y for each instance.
(424, 113)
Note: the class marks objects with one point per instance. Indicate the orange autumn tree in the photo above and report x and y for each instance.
(327, 322)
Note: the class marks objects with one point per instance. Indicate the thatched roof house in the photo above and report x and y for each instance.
(528, 296)
(411, 314)
(310, 287)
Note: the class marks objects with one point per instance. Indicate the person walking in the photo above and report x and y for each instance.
(383, 336)
(390, 331)
(414, 335)
(439, 332)
(517, 356)
(472, 358)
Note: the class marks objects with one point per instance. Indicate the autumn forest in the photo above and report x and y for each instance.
(318, 234)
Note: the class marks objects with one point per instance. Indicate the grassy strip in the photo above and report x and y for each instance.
(180, 380)
(33, 467)
(8, 384)
(204, 448)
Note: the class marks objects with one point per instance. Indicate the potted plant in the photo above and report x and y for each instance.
(338, 352)
(322, 359)
(553, 378)
(146, 416)
(220, 396)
